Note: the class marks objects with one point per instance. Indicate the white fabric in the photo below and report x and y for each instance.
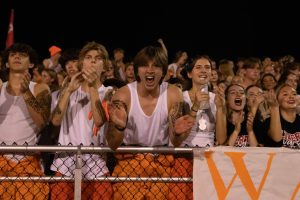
(144, 130)
(198, 137)
(246, 173)
(16, 124)
(77, 129)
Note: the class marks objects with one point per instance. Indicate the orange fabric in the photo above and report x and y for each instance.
(64, 190)
(29, 166)
(54, 50)
(105, 107)
(183, 167)
(142, 165)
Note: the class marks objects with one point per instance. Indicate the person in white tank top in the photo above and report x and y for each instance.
(82, 118)
(24, 110)
(202, 133)
(144, 113)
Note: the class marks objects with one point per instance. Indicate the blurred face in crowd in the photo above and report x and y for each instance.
(253, 93)
(214, 76)
(292, 80)
(72, 67)
(253, 73)
(269, 83)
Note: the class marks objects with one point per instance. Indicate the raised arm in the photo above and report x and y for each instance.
(63, 101)
(181, 118)
(274, 131)
(118, 114)
(38, 102)
(221, 125)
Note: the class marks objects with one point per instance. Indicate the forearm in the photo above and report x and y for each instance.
(252, 139)
(38, 107)
(275, 124)
(61, 107)
(221, 126)
(233, 137)
(114, 135)
(98, 112)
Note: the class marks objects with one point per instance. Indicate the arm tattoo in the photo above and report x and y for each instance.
(40, 104)
(100, 110)
(176, 111)
(57, 110)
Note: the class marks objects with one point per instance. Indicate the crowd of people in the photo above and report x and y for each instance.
(85, 97)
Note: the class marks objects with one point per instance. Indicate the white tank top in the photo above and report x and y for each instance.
(77, 129)
(203, 132)
(144, 130)
(16, 124)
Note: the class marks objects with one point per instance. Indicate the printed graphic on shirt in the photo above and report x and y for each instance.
(241, 141)
(291, 140)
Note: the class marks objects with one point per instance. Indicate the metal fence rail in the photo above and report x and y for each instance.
(78, 178)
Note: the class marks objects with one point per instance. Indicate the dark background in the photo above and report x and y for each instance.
(221, 29)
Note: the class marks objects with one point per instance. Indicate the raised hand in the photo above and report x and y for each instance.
(184, 124)
(74, 82)
(25, 80)
(91, 76)
(237, 119)
(220, 97)
(118, 113)
(271, 99)
(250, 120)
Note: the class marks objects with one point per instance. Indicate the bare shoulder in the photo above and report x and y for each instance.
(174, 94)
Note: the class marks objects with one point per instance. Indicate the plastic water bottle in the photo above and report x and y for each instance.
(204, 104)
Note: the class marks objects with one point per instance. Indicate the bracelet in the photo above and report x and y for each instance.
(119, 129)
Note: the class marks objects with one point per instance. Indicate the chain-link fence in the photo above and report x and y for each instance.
(86, 172)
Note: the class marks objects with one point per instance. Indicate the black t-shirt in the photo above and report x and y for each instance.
(242, 139)
(290, 134)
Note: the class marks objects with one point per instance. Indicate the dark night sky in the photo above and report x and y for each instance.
(221, 29)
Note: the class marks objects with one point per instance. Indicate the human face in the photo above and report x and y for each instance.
(46, 78)
(201, 72)
(93, 59)
(236, 98)
(253, 73)
(269, 69)
(214, 76)
(72, 67)
(287, 98)
(150, 75)
(19, 61)
(129, 71)
(109, 73)
(253, 93)
(292, 80)
(183, 58)
(118, 56)
(269, 82)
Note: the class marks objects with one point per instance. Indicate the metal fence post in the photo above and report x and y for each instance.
(78, 175)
